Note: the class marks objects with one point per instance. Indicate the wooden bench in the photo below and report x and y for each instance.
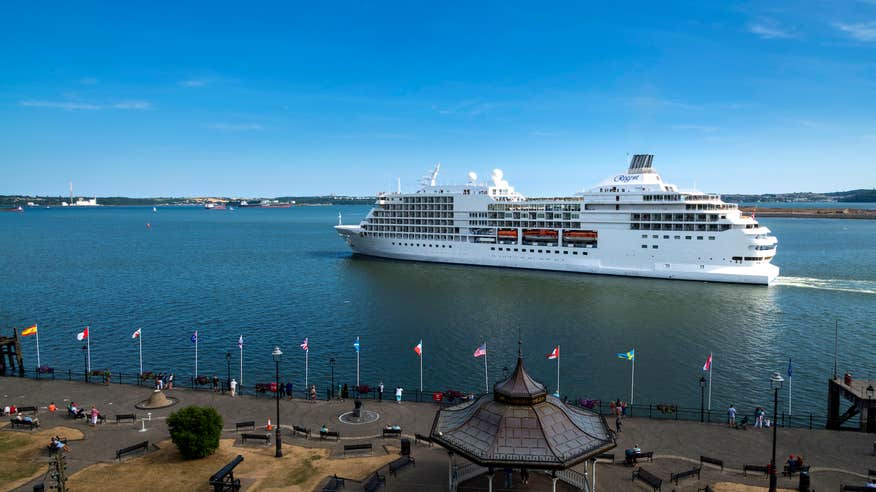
(391, 433)
(421, 437)
(24, 424)
(359, 447)
(634, 458)
(400, 463)
(755, 468)
(649, 478)
(126, 416)
(130, 449)
(223, 480)
(373, 482)
(712, 461)
(244, 425)
(266, 437)
(334, 484)
(32, 410)
(675, 477)
(301, 430)
(328, 434)
(789, 471)
(606, 457)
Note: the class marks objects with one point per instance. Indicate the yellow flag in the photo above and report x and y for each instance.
(29, 331)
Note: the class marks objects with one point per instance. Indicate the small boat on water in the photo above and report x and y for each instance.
(154, 210)
(214, 206)
(11, 209)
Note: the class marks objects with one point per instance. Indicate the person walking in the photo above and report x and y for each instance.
(313, 393)
(170, 381)
(758, 417)
(509, 477)
(282, 389)
(233, 387)
(731, 416)
(289, 388)
(398, 394)
(524, 476)
(94, 414)
(380, 390)
(617, 424)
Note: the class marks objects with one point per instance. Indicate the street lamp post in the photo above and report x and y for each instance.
(85, 361)
(870, 391)
(228, 365)
(277, 354)
(776, 384)
(702, 398)
(332, 388)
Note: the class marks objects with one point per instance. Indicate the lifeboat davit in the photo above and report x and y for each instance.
(580, 236)
(540, 234)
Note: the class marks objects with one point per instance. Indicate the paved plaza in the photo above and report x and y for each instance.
(835, 457)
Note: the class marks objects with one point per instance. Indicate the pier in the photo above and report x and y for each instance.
(860, 394)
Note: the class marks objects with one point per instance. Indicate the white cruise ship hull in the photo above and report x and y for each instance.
(605, 260)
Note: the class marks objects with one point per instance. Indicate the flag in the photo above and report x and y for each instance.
(356, 344)
(136, 334)
(29, 331)
(82, 335)
(631, 355)
(789, 367)
(482, 350)
(555, 354)
(305, 346)
(708, 365)
(419, 348)
(240, 342)
(195, 337)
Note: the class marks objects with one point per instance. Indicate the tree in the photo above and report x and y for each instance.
(195, 431)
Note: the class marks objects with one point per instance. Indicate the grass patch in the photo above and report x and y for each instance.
(303, 472)
(21, 455)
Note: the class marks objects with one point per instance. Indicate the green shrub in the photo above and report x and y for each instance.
(195, 431)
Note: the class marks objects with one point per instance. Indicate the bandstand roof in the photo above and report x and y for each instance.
(520, 425)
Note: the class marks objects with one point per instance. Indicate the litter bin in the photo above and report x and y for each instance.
(804, 481)
(405, 446)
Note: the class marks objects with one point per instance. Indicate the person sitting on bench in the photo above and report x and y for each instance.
(632, 453)
(323, 429)
(58, 444)
(26, 419)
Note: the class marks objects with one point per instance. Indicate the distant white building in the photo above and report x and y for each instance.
(85, 202)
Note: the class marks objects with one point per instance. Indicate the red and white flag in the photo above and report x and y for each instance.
(136, 334)
(555, 354)
(708, 365)
(304, 346)
(419, 349)
(482, 350)
(82, 335)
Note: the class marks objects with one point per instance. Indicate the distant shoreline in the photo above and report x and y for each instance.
(812, 213)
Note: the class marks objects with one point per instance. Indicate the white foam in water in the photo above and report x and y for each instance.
(858, 286)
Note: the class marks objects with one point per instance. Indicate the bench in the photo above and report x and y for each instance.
(301, 430)
(223, 480)
(244, 425)
(634, 458)
(130, 449)
(755, 468)
(266, 437)
(712, 461)
(391, 433)
(334, 483)
(789, 471)
(855, 488)
(374, 482)
(328, 434)
(126, 416)
(606, 457)
(24, 423)
(421, 437)
(675, 477)
(871, 473)
(400, 463)
(32, 410)
(358, 447)
(649, 478)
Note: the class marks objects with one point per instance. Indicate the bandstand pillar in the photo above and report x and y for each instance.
(554, 483)
(490, 481)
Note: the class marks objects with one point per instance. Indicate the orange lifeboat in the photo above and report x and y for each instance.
(507, 233)
(540, 234)
(580, 236)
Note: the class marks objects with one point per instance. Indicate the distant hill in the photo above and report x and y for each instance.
(55, 201)
(836, 196)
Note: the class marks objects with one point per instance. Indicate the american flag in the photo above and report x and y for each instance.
(482, 350)
(304, 345)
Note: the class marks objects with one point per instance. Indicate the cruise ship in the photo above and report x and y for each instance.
(632, 224)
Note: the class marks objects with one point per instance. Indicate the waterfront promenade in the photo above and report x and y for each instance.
(835, 457)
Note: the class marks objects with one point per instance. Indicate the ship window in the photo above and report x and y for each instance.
(654, 246)
(699, 238)
(532, 251)
(565, 252)
(711, 238)
(492, 249)
(644, 236)
(688, 237)
(539, 251)
(655, 236)
(574, 252)
(665, 237)
(644, 246)
(556, 252)
(677, 237)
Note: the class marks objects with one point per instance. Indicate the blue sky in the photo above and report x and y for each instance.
(209, 98)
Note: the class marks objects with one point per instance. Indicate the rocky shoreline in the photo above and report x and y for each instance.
(812, 213)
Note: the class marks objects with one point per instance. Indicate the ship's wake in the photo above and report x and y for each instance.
(841, 285)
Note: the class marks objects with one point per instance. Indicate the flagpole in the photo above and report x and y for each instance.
(140, 342)
(486, 379)
(558, 371)
(357, 366)
(241, 366)
(633, 377)
(421, 371)
(710, 386)
(88, 350)
(306, 367)
(196, 355)
(790, 382)
(38, 348)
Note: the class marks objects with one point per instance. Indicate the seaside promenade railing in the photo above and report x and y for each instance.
(653, 411)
